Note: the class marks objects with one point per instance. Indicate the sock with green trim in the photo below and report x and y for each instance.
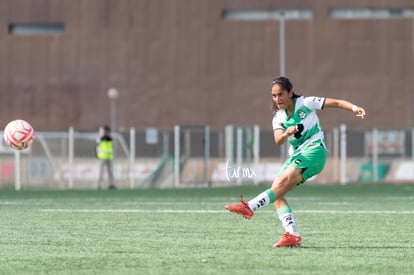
(262, 199)
(285, 215)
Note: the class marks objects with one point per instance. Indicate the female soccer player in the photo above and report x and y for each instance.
(295, 120)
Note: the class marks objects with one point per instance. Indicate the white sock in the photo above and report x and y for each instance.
(289, 224)
(285, 215)
(259, 201)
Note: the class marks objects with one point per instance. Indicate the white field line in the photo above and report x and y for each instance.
(195, 211)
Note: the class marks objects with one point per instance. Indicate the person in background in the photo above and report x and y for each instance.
(294, 121)
(104, 152)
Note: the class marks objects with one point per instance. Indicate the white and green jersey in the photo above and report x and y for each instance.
(304, 117)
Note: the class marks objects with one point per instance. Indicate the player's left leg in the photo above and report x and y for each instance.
(291, 236)
(309, 163)
(293, 177)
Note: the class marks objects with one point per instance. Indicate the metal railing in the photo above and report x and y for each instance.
(198, 155)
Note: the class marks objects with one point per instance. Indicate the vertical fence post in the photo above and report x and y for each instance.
(187, 144)
(17, 179)
(256, 149)
(412, 144)
(228, 136)
(206, 155)
(176, 156)
(239, 152)
(375, 154)
(131, 157)
(71, 156)
(343, 153)
(166, 144)
(282, 42)
(335, 165)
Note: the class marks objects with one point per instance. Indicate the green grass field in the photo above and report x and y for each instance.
(353, 229)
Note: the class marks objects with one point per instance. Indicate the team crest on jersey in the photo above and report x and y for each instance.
(301, 114)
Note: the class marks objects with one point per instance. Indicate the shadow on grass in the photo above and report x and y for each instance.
(353, 247)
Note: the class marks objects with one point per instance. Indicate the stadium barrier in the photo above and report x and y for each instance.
(199, 156)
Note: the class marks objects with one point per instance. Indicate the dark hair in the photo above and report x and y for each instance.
(107, 128)
(285, 84)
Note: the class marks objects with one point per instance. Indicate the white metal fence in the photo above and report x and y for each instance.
(200, 156)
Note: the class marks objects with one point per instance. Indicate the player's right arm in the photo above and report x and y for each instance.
(281, 135)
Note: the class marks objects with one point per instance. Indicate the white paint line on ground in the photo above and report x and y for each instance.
(195, 211)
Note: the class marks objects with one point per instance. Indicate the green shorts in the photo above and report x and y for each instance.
(311, 159)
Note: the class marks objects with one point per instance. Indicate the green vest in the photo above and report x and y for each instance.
(105, 151)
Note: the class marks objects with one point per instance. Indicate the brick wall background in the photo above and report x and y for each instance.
(180, 62)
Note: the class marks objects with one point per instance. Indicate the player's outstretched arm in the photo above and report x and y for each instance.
(346, 105)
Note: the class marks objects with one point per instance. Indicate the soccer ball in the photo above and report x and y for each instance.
(18, 134)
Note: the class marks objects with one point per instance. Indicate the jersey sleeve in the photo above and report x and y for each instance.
(277, 121)
(314, 103)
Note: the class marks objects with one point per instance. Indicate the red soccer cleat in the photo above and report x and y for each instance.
(288, 240)
(241, 209)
